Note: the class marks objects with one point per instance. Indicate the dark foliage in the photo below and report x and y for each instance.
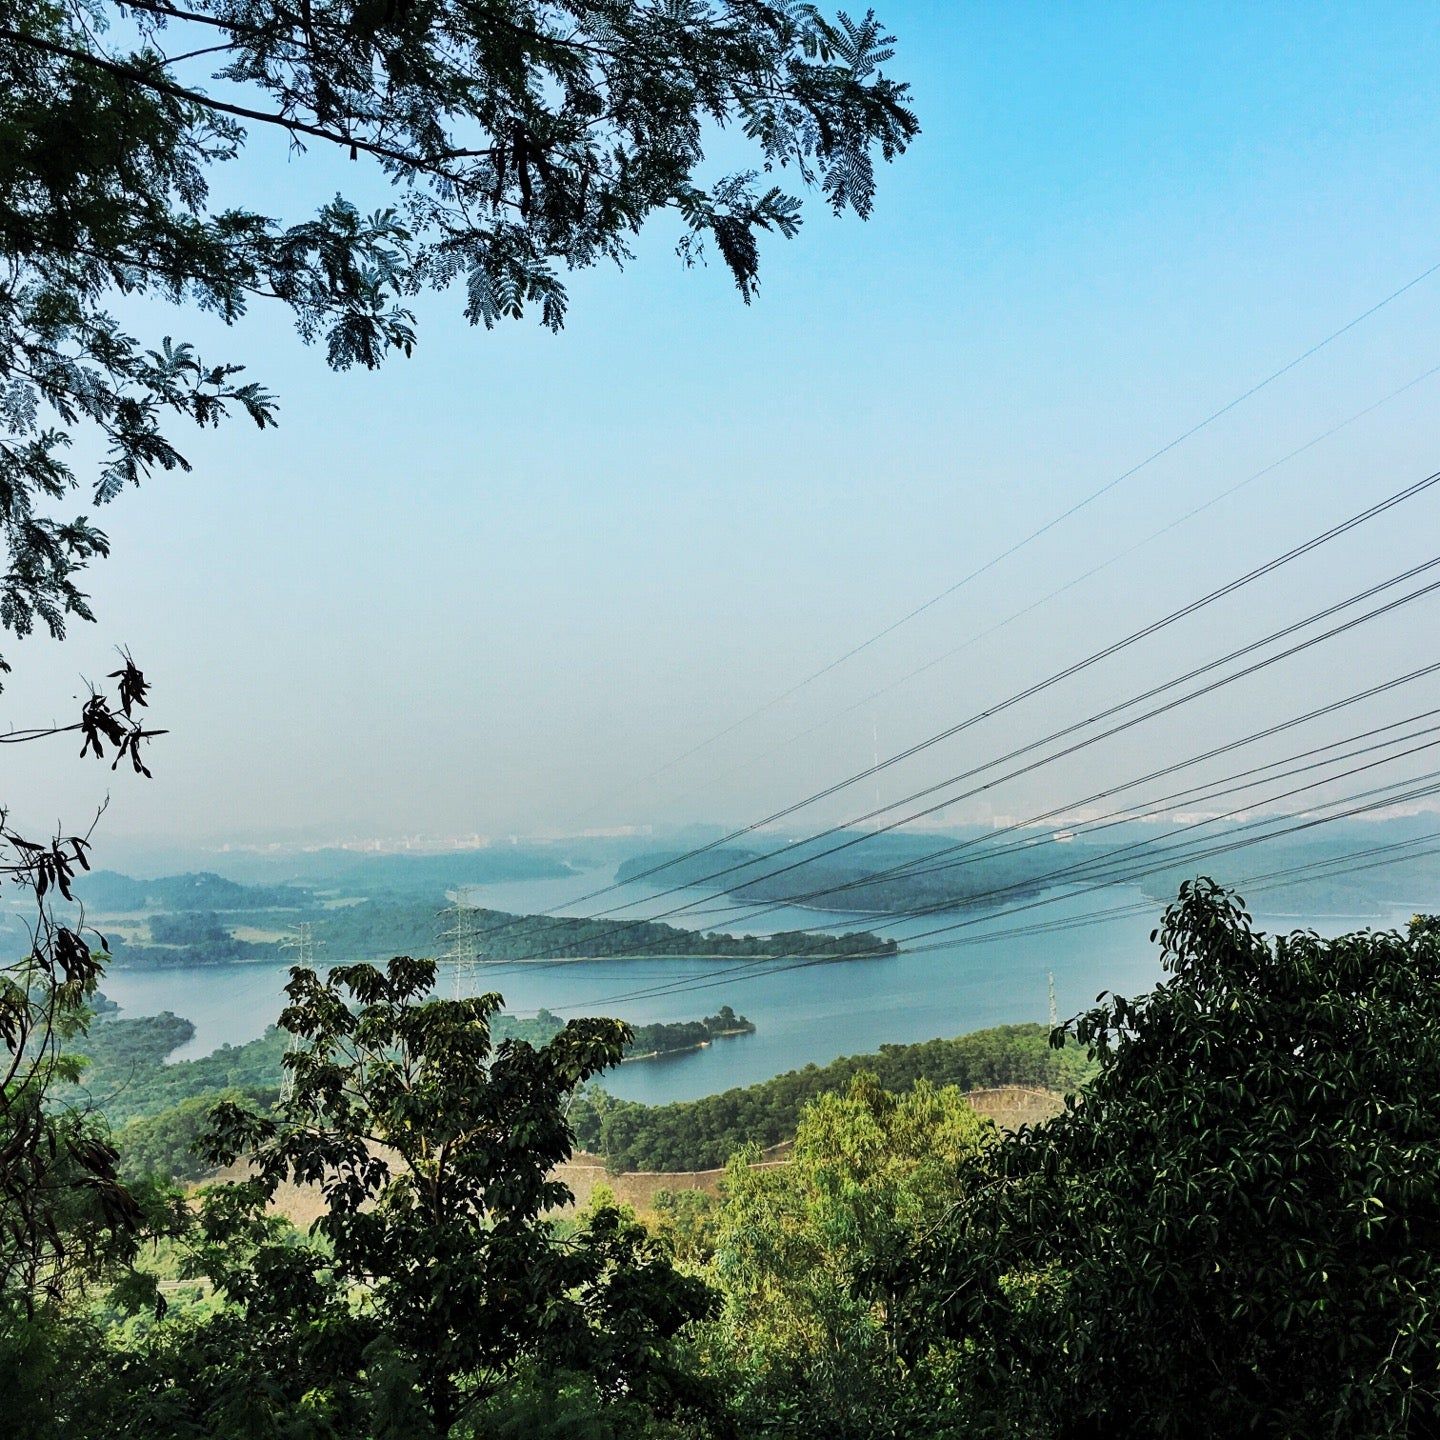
(1237, 1229)
(434, 1149)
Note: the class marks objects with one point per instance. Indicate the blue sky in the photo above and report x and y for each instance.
(487, 588)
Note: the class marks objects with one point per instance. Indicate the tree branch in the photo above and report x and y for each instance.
(431, 164)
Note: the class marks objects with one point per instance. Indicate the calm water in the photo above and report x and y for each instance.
(813, 1013)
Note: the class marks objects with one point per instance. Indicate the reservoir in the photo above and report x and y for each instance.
(988, 972)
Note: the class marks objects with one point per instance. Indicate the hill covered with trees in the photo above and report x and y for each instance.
(159, 1106)
(703, 1134)
(375, 929)
(1246, 1165)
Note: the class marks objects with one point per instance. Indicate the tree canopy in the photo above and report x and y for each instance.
(805, 1329)
(434, 1151)
(1236, 1226)
(518, 140)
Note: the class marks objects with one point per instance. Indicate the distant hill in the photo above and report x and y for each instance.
(945, 872)
(1335, 867)
(109, 892)
(369, 874)
(1329, 872)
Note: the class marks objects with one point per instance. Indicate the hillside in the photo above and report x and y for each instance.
(703, 1134)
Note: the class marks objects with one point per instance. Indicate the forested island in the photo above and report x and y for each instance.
(667, 1037)
(375, 929)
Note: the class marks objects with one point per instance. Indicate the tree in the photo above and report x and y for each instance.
(437, 1276)
(69, 1221)
(520, 139)
(1237, 1228)
(65, 1214)
(806, 1329)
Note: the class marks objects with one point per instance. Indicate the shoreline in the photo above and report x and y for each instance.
(689, 1049)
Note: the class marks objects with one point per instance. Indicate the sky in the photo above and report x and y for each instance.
(503, 587)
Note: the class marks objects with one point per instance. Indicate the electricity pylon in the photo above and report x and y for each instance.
(1054, 1009)
(461, 951)
(304, 944)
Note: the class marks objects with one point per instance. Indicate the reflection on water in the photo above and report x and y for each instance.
(807, 1014)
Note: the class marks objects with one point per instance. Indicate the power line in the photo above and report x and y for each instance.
(621, 928)
(908, 948)
(1109, 857)
(1194, 794)
(1062, 733)
(1034, 535)
(1191, 795)
(1069, 585)
(908, 868)
(1252, 884)
(736, 911)
(1171, 855)
(1417, 792)
(999, 707)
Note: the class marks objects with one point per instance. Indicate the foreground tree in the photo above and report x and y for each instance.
(515, 140)
(806, 1331)
(65, 1215)
(437, 1276)
(1237, 1229)
(71, 1224)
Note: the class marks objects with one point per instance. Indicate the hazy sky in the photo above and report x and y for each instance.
(491, 588)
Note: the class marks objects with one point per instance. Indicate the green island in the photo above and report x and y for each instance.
(376, 928)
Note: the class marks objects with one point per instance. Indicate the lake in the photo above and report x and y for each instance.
(812, 1013)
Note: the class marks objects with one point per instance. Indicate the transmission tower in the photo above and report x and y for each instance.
(461, 951)
(304, 944)
(1054, 1009)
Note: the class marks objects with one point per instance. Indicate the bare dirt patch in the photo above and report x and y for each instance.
(1009, 1106)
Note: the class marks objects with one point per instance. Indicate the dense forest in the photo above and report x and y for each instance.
(129, 1082)
(158, 1109)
